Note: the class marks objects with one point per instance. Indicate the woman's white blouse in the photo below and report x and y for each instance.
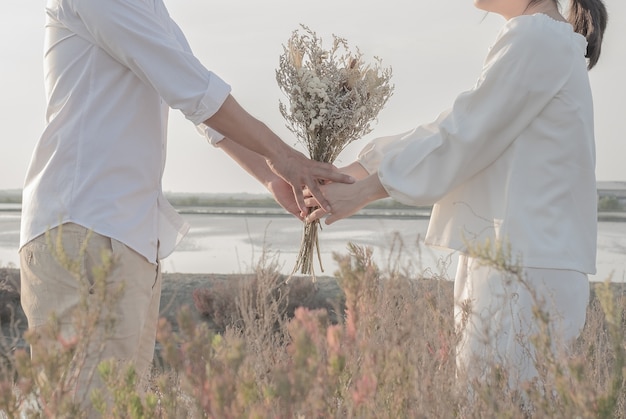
(513, 160)
(112, 70)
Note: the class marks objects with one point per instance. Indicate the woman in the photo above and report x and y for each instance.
(510, 166)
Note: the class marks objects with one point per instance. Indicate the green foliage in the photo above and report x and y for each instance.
(209, 200)
(11, 196)
(609, 203)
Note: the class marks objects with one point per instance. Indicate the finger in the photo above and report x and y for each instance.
(331, 219)
(307, 192)
(319, 197)
(299, 197)
(340, 178)
(315, 215)
(329, 173)
(311, 202)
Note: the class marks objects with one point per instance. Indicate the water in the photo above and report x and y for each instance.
(235, 243)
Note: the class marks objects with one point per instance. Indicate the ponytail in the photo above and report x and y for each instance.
(589, 18)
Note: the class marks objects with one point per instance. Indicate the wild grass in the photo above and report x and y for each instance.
(385, 348)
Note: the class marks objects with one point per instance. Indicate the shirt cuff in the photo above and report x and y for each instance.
(370, 159)
(213, 99)
(212, 136)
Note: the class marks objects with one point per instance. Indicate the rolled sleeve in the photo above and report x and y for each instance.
(144, 39)
(216, 93)
(212, 136)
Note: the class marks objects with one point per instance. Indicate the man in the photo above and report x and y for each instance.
(112, 70)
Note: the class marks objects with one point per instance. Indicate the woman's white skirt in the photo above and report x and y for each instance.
(507, 321)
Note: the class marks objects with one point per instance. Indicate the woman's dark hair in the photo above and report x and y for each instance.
(589, 18)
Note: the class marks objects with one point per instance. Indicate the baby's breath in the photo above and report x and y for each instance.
(333, 96)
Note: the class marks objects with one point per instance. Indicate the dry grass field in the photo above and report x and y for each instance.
(364, 343)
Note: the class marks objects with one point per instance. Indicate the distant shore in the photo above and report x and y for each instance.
(276, 211)
(611, 207)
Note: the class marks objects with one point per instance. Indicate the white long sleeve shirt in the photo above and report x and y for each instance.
(112, 71)
(513, 160)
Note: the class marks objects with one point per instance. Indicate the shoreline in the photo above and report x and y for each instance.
(364, 213)
(603, 216)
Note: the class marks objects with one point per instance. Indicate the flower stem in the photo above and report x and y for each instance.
(309, 246)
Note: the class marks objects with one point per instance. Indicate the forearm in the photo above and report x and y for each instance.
(356, 170)
(242, 128)
(257, 166)
(371, 188)
(250, 161)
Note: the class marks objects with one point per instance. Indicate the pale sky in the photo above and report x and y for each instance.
(435, 50)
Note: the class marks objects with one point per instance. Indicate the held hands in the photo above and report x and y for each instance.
(293, 167)
(346, 199)
(303, 173)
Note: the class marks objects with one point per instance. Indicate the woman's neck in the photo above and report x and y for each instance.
(548, 8)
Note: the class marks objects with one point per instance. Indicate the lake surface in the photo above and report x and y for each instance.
(234, 241)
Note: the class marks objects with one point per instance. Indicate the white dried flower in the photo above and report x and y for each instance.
(333, 98)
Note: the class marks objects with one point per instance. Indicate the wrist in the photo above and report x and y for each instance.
(277, 151)
(356, 170)
(373, 188)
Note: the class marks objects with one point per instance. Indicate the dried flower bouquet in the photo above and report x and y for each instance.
(333, 98)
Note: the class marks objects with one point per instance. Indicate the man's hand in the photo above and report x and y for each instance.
(285, 192)
(284, 196)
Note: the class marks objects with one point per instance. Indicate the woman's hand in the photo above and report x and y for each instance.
(346, 199)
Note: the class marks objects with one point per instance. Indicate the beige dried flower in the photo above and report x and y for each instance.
(295, 56)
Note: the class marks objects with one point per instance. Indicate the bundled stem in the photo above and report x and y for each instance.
(309, 246)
